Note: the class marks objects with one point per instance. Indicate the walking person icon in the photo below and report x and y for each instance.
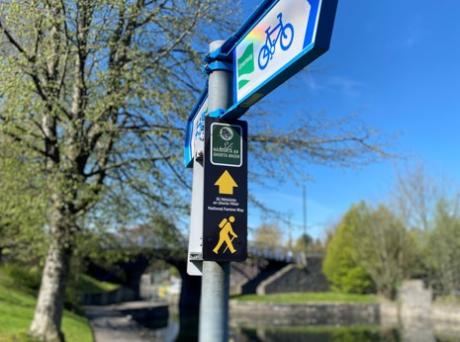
(226, 230)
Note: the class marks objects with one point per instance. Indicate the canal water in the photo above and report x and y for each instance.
(316, 334)
(368, 333)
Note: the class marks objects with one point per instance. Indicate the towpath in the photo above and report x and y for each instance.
(114, 323)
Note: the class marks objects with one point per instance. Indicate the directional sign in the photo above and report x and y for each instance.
(194, 135)
(289, 35)
(226, 184)
(225, 191)
(276, 42)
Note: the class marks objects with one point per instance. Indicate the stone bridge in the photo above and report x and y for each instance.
(267, 270)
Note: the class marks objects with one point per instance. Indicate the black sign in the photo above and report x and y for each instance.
(225, 191)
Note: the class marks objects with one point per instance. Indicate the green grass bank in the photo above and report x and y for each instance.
(308, 297)
(18, 290)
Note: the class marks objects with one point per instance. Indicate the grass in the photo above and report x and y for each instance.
(325, 329)
(90, 285)
(308, 297)
(17, 304)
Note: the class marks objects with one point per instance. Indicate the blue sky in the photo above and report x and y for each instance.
(397, 65)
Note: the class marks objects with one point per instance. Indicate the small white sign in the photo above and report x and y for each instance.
(197, 145)
(194, 134)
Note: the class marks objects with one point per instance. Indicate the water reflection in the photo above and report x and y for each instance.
(315, 334)
(421, 331)
(418, 331)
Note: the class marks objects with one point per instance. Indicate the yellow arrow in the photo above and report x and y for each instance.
(226, 183)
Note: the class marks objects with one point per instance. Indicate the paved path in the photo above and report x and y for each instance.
(109, 324)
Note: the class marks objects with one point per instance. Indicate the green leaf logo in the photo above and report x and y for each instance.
(245, 65)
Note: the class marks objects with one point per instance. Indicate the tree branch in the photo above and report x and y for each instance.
(15, 43)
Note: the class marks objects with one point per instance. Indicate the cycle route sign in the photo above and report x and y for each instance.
(289, 35)
(279, 39)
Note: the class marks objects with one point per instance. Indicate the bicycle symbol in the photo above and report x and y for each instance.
(285, 36)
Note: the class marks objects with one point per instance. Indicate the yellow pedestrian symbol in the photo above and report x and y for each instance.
(226, 230)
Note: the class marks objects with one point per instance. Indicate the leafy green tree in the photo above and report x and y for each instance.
(444, 250)
(97, 90)
(429, 207)
(341, 264)
(385, 250)
(22, 208)
(370, 248)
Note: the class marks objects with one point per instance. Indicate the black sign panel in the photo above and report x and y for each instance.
(225, 191)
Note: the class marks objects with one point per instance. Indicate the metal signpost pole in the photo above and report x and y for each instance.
(276, 42)
(216, 275)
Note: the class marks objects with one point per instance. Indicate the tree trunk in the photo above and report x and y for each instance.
(46, 325)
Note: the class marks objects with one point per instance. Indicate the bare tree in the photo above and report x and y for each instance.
(310, 138)
(415, 197)
(268, 236)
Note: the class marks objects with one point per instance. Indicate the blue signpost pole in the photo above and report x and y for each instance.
(216, 275)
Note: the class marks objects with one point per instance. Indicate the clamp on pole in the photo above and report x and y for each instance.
(216, 113)
(218, 65)
(217, 55)
(218, 61)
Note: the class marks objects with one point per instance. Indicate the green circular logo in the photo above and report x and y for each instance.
(226, 133)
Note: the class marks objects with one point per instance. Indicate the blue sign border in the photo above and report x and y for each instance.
(188, 158)
(322, 18)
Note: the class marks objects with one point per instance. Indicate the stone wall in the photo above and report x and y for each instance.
(253, 313)
(421, 318)
(242, 272)
(415, 300)
(415, 314)
(294, 278)
(447, 313)
(389, 313)
(120, 295)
